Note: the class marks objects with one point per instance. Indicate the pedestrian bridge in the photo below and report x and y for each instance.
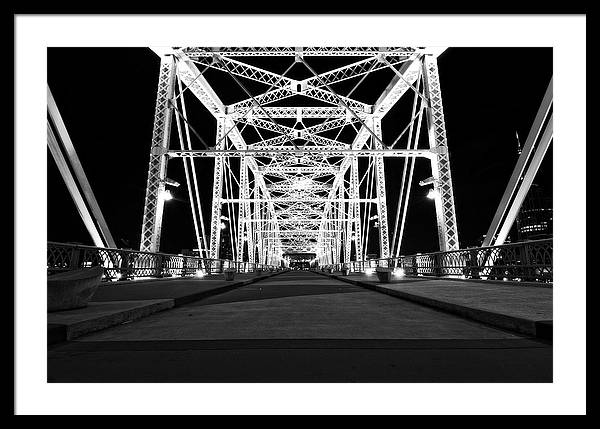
(303, 326)
(299, 167)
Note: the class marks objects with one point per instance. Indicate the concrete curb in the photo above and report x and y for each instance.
(58, 332)
(499, 282)
(539, 329)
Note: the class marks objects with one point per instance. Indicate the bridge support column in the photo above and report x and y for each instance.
(384, 244)
(330, 235)
(440, 164)
(259, 226)
(243, 210)
(346, 226)
(355, 193)
(338, 225)
(250, 226)
(215, 222)
(157, 169)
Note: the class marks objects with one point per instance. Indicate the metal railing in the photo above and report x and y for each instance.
(127, 264)
(523, 261)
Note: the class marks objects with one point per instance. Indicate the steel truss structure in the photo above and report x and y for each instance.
(300, 178)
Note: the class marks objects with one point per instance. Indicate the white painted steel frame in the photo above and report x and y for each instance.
(440, 165)
(157, 168)
(301, 196)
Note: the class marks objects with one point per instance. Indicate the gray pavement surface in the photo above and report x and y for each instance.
(302, 306)
(179, 289)
(301, 327)
(122, 302)
(508, 305)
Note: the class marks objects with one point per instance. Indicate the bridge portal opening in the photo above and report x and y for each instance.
(301, 261)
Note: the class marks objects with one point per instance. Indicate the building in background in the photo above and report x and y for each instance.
(225, 248)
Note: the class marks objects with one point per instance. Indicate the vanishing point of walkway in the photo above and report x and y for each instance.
(301, 326)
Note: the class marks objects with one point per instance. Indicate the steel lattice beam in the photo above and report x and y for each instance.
(291, 52)
(157, 169)
(440, 164)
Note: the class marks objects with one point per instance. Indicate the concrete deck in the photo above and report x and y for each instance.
(116, 303)
(101, 315)
(526, 309)
(301, 327)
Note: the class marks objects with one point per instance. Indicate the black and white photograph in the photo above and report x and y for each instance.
(304, 217)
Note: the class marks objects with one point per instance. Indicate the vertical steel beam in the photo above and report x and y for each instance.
(356, 211)
(259, 225)
(242, 213)
(338, 223)
(157, 168)
(215, 220)
(330, 210)
(347, 226)
(384, 243)
(249, 225)
(440, 164)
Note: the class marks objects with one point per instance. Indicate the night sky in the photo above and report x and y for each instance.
(106, 97)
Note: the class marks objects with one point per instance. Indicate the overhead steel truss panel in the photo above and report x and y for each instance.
(302, 188)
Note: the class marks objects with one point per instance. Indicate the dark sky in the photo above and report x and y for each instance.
(106, 97)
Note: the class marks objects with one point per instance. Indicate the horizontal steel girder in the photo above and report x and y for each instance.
(298, 112)
(195, 52)
(299, 199)
(289, 150)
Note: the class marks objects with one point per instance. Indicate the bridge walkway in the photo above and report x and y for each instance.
(302, 327)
